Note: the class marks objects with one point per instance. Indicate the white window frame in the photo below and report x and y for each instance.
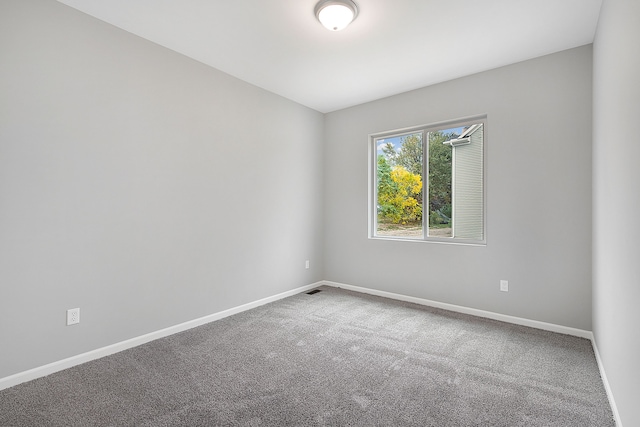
(425, 129)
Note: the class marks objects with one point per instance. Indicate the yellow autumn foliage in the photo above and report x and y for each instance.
(400, 205)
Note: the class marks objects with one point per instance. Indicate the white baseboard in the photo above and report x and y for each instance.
(605, 381)
(51, 368)
(466, 310)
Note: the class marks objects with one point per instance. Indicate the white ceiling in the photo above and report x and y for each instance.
(393, 46)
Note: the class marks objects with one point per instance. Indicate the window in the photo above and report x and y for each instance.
(427, 183)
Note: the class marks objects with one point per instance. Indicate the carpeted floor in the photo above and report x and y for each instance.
(334, 358)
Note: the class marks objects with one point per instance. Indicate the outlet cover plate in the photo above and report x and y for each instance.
(73, 316)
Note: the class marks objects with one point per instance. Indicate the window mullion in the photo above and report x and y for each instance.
(425, 184)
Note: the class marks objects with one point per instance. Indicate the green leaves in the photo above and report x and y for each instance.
(439, 175)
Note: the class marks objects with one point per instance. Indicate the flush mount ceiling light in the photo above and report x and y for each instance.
(335, 15)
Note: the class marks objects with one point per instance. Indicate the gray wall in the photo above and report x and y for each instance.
(139, 185)
(538, 147)
(616, 185)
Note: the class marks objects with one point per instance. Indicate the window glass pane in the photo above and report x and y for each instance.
(399, 186)
(440, 188)
(466, 145)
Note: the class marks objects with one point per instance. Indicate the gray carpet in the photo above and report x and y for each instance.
(333, 358)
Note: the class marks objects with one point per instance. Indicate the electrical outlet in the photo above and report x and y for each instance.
(73, 316)
(504, 285)
(306, 264)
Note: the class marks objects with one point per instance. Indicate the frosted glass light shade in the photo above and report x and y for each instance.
(335, 15)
